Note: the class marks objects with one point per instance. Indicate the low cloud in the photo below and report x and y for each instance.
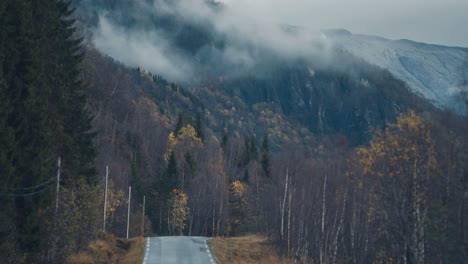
(139, 49)
(240, 41)
(243, 35)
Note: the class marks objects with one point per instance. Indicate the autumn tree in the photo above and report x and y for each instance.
(199, 126)
(399, 163)
(237, 204)
(115, 199)
(179, 211)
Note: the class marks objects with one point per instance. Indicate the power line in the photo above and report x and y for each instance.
(35, 186)
(28, 194)
(102, 180)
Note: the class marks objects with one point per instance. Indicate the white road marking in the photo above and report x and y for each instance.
(146, 251)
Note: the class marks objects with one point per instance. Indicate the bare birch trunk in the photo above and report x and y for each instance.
(323, 218)
(284, 203)
(289, 224)
(338, 231)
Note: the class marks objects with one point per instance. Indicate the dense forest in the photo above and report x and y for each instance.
(397, 198)
(43, 119)
(332, 168)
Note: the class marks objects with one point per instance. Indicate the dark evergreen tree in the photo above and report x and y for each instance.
(253, 148)
(160, 194)
(7, 215)
(246, 153)
(191, 163)
(266, 160)
(199, 126)
(179, 125)
(224, 140)
(246, 177)
(28, 92)
(42, 116)
(78, 148)
(172, 170)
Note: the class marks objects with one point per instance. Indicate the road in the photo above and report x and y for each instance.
(178, 250)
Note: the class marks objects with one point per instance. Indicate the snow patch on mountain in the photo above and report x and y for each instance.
(438, 73)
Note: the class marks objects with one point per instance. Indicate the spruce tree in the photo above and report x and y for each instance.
(78, 148)
(28, 93)
(179, 124)
(253, 148)
(42, 115)
(6, 147)
(266, 161)
(172, 170)
(246, 177)
(199, 126)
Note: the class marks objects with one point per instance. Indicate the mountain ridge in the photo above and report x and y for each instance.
(434, 72)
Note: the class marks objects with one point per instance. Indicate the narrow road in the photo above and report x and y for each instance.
(178, 250)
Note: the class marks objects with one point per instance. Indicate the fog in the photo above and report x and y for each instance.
(238, 41)
(234, 37)
(430, 21)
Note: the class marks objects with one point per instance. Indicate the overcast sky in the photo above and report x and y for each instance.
(442, 22)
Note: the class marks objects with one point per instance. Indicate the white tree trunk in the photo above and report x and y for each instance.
(323, 218)
(284, 203)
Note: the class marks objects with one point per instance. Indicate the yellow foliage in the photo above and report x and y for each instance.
(186, 133)
(115, 199)
(237, 189)
(172, 143)
(179, 210)
(407, 140)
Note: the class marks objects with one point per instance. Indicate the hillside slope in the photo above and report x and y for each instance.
(437, 73)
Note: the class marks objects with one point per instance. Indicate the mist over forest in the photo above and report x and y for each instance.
(235, 121)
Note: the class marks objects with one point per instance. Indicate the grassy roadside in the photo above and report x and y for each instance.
(108, 249)
(252, 249)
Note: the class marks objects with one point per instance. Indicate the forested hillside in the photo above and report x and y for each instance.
(333, 162)
(317, 196)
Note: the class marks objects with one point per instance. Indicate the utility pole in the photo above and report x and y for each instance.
(128, 213)
(58, 185)
(54, 243)
(143, 219)
(105, 201)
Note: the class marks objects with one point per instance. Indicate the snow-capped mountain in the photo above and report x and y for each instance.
(437, 73)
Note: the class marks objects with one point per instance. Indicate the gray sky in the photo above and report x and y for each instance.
(442, 22)
(252, 28)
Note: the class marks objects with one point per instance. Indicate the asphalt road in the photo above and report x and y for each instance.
(178, 250)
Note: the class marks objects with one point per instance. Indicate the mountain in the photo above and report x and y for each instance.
(217, 125)
(437, 73)
(304, 77)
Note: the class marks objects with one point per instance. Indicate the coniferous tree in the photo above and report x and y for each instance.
(6, 147)
(28, 93)
(246, 177)
(191, 162)
(266, 161)
(160, 195)
(78, 148)
(179, 124)
(253, 148)
(199, 126)
(172, 170)
(42, 116)
(247, 155)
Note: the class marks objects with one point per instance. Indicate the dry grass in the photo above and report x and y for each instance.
(107, 249)
(251, 249)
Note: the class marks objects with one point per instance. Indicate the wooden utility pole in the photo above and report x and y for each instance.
(128, 213)
(105, 201)
(143, 218)
(58, 185)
